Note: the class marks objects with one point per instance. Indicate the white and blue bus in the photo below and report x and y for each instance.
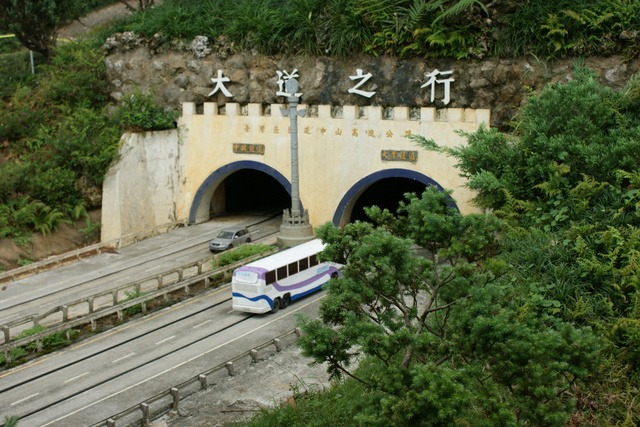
(273, 282)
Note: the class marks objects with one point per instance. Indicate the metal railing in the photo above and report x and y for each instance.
(117, 307)
(161, 403)
(86, 252)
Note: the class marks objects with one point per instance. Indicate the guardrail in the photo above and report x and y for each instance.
(86, 252)
(167, 400)
(118, 307)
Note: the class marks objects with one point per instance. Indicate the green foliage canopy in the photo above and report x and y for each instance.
(566, 133)
(36, 22)
(450, 339)
(405, 28)
(568, 183)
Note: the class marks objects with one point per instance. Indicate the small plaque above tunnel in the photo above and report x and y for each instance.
(239, 148)
(399, 155)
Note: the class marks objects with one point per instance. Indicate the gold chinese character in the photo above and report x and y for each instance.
(247, 128)
(307, 130)
(389, 134)
(261, 149)
(261, 129)
(338, 131)
(407, 133)
(354, 132)
(412, 156)
(371, 133)
(322, 130)
(403, 155)
(252, 148)
(385, 155)
(236, 147)
(276, 130)
(243, 148)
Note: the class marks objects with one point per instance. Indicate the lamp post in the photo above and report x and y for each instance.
(295, 228)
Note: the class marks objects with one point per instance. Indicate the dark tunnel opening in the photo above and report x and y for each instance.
(252, 191)
(386, 194)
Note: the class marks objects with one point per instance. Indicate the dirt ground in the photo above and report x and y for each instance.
(269, 383)
(37, 247)
(84, 25)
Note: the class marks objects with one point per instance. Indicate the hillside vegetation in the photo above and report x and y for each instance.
(529, 315)
(525, 316)
(405, 28)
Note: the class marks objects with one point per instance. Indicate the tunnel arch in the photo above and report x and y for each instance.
(343, 211)
(199, 211)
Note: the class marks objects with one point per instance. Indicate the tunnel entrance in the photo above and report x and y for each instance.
(249, 191)
(386, 193)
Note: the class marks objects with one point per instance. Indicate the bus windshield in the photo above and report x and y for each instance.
(246, 276)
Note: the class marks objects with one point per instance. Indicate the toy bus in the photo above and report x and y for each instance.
(273, 282)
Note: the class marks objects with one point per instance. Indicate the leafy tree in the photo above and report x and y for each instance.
(444, 337)
(566, 133)
(568, 183)
(36, 22)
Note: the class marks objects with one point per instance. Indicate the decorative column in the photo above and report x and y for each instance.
(295, 228)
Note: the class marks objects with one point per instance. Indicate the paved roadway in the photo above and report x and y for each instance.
(118, 369)
(101, 376)
(39, 293)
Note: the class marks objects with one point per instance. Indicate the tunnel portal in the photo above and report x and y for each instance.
(386, 194)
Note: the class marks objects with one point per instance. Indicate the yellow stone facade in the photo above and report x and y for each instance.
(341, 151)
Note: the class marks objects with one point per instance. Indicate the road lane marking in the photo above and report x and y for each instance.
(203, 323)
(289, 312)
(75, 378)
(166, 339)
(22, 400)
(161, 313)
(123, 357)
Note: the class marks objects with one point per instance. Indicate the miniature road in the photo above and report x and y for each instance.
(121, 368)
(39, 293)
(92, 380)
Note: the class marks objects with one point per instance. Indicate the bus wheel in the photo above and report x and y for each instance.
(334, 276)
(285, 301)
(276, 305)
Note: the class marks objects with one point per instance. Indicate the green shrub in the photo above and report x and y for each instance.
(11, 421)
(139, 113)
(20, 119)
(19, 62)
(131, 295)
(54, 186)
(86, 142)
(12, 174)
(242, 252)
(76, 77)
(25, 214)
(15, 353)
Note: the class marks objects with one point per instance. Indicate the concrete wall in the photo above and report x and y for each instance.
(141, 188)
(173, 175)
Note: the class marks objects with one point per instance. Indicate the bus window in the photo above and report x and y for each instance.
(270, 277)
(293, 268)
(313, 260)
(282, 272)
(304, 264)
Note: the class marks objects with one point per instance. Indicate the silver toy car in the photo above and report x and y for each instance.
(230, 238)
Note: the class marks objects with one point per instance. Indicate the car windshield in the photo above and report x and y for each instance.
(225, 235)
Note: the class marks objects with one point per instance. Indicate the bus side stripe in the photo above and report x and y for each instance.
(283, 288)
(310, 291)
(258, 298)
